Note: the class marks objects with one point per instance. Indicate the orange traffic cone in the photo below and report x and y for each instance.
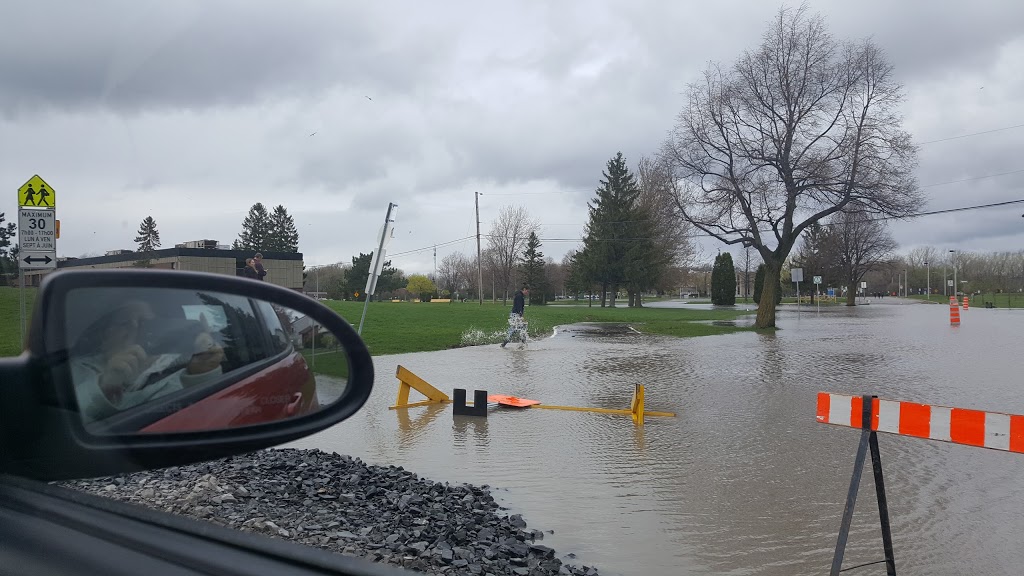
(954, 314)
(967, 302)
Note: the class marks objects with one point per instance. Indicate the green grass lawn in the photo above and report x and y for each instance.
(398, 327)
(10, 318)
(1005, 300)
(330, 362)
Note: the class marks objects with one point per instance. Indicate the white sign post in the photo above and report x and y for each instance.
(377, 262)
(817, 288)
(797, 274)
(37, 233)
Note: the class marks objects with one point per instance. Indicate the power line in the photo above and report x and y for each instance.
(880, 218)
(1018, 171)
(576, 191)
(961, 209)
(971, 134)
(706, 235)
(431, 247)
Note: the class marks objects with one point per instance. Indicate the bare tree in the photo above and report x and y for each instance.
(467, 273)
(555, 274)
(794, 131)
(449, 272)
(506, 242)
(857, 244)
(666, 225)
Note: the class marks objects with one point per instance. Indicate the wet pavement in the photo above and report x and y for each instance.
(743, 481)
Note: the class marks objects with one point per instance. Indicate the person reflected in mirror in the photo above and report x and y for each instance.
(261, 272)
(515, 317)
(250, 269)
(111, 370)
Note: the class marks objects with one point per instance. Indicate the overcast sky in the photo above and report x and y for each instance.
(192, 110)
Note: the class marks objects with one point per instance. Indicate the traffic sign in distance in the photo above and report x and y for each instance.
(37, 230)
(817, 279)
(36, 192)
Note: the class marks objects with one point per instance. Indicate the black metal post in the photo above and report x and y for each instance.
(479, 407)
(883, 506)
(851, 500)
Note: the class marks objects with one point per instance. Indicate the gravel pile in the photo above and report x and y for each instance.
(335, 502)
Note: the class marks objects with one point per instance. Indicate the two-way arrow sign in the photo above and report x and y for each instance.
(37, 260)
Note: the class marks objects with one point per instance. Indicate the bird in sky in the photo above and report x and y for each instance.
(370, 99)
(313, 134)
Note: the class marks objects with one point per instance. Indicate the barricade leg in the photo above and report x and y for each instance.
(868, 440)
(851, 501)
(883, 506)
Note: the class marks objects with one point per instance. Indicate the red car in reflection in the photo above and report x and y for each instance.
(264, 377)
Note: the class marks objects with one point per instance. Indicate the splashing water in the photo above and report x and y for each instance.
(475, 337)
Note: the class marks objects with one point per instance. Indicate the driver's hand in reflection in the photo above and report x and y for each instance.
(208, 355)
(122, 368)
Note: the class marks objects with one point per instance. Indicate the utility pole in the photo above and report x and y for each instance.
(929, 268)
(437, 287)
(479, 262)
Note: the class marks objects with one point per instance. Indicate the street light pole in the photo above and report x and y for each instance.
(956, 287)
(929, 268)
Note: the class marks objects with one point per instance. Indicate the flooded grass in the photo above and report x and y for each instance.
(399, 327)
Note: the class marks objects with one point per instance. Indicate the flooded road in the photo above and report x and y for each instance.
(743, 481)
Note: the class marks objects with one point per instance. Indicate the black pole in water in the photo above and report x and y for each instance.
(883, 506)
(851, 496)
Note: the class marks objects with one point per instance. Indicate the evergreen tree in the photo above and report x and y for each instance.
(255, 230)
(532, 264)
(758, 283)
(8, 254)
(355, 278)
(723, 281)
(611, 227)
(645, 263)
(282, 235)
(148, 240)
(148, 237)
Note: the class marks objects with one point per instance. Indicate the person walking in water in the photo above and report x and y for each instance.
(515, 317)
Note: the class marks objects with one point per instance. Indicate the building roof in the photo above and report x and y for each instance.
(172, 252)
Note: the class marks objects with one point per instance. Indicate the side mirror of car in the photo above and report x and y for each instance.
(128, 370)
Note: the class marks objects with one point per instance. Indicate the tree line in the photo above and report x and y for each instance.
(796, 150)
(262, 231)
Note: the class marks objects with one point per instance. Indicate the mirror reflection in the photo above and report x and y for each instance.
(149, 360)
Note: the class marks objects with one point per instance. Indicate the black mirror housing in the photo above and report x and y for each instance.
(42, 435)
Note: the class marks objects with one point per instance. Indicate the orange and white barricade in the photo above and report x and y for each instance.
(993, 430)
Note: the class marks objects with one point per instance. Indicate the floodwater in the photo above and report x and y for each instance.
(743, 480)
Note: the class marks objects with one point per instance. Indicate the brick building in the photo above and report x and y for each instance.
(283, 268)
